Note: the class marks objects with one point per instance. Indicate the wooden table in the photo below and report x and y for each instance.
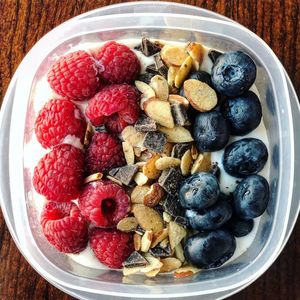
(24, 22)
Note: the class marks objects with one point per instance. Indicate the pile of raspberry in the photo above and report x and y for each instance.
(77, 213)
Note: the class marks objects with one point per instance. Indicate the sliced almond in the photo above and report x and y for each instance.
(166, 217)
(152, 273)
(167, 162)
(200, 95)
(179, 253)
(89, 132)
(148, 218)
(170, 264)
(131, 271)
(154, 263)
(154, 195)
(93, 177)
(186, 163)
(145, 156)
(128, 153)
(202, 163)
(196, 51)
(140, 165)
(159, 111)
(140, 179)
(183, 71)
(150, 169)
(164, 243)
(146, 241)
(194, 152)
(176, 234)
(114, 180)
(137, 151)
(138, 193)
(172, 71)
(137, 242)
(179, 99)
(159, 237)
(185, 271)
(145, 89)
(127, 224)
(132, 137)
(173, 56)
(178, 134)
(160, 86)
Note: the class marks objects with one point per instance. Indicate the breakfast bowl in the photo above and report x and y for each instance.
(19, 111)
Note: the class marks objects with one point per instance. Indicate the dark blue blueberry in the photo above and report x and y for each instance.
(243, 113)
(210, 218)
(211, 249)
(251, 197)
(239, 227)
(199, 191)
(211, 131)
(233, 73)
(245, 157)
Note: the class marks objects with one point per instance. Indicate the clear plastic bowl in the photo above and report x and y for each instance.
(16, 185)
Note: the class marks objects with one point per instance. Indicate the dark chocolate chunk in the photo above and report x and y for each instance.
(158, 251)
(170, 180)
(215, 170)
(145, 124)
(152, 69)
(138, 47)
(172, 205)
(135, 259)
(160, 66)
(155, 141)
(124, 174)
(179, 149)
(180, 115)
(213, 55)
(182, 221)
(145, 77)
(149, 48)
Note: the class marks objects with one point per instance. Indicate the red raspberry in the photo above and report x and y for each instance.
(104, 203)
(59, 174)
(64, 226)
(103, 153)
(119, 63)
(116, 106)
(111, 246)
(74, 76)
(57, 119)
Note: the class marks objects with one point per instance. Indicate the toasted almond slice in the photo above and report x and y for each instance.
(140, 179)
(164, 243)
(166, 217)
(159, 237)
(178, 134)
(194, 152)
(179, 99)
(172, 71)
(154, 263)
(185, 271)
(137, 239)
(159, 111)
(93, 177)
(167, 162)
(179, 253)
(202, 163)
(186, 163)
(200, 95)
(155, 194)
(140, 165)
(145, 89)
(138, 193)
(173, 56)
(88, 135)
(183, 71)
(170, 264)
(176, 234)
(127, 224)
(137, 151)
(131, 271)
(160, 86)
(149, 169)
(196, 51)
(132, 137)
(145, 156)
(152, 273)
(128, 153)
(114, 180)
(146, 241)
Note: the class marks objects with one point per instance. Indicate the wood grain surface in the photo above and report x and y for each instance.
(24, 22)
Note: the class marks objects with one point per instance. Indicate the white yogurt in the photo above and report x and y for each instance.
(42, 93)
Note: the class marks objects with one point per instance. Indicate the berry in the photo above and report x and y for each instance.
(245, 157)
(119, 64)
(103, 153)
(116, 106)
(74, 76)
(104, 203)
(59, 174)
(243, 113)
(233, 73)
(198, 191)
(239, 227)
(212, 217)
(211, 249)
(58, 119)
(111, 246)
(64, 226)
(251, 197)
(211, 131)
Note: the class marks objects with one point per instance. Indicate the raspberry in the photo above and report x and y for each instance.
(116, 106)
(119, 63)
(57, 119)
(103, 153)
(104, 203)
(74, 76)
(111, 246)
(64, 226)
(59, 174)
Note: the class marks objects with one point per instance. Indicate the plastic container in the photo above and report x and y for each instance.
(16, 185)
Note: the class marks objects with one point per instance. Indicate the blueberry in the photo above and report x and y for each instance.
(251, 197)
(245, 157)
(243, 113)
(211, 131)
(199, 191)
(239, 227)
(233, 73)
(210, 218)
(211, 249)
